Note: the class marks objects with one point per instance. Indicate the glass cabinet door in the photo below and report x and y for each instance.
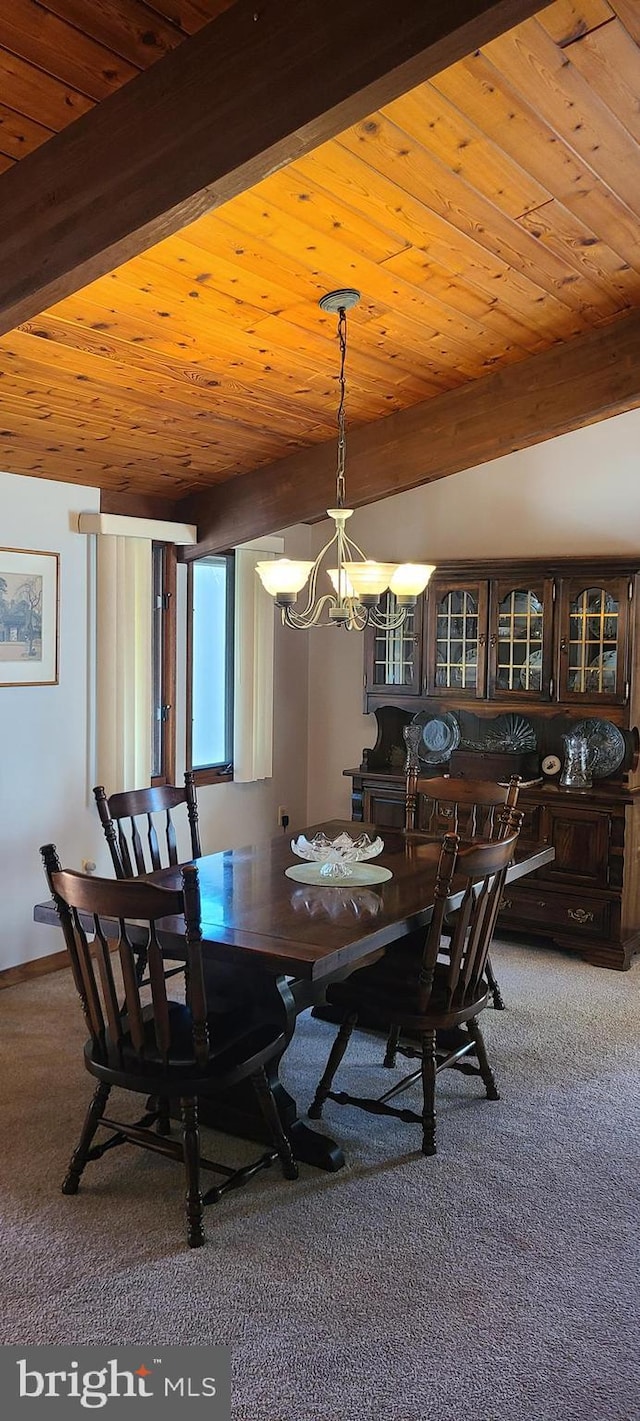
(457, 639)
(520, 648)
(593, 641)
(393, 659)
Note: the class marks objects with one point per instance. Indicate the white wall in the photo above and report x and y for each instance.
(46, 767)
(576, 494)
(43, 729)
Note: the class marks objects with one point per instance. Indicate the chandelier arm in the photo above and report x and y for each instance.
(313, 579)
(386, 623)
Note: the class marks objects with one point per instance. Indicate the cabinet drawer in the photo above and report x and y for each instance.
(569, 912)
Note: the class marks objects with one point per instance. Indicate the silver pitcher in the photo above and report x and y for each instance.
(579, 760)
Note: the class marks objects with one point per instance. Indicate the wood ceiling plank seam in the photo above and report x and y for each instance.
(225, 274)
(471, 213)
(473, 366)
(561, 230)
(372, 279)
(18, 134)
(156, 297)
(130, 28)
(471, 328)
(40, 97)
(61, 50)
(427, 231)
(547, 77)
(191, 14)
(568, 20)
(481, 88)
(214, 229)
(608, 61)
(358, 231)
(365, 371)
(629, 15)
(464, 294)
(466, 150)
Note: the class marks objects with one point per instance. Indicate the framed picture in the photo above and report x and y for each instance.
(28, 618)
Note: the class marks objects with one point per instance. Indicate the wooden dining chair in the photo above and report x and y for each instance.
(422, 994)
(135, 843)
(160, 1048)
(471, 808)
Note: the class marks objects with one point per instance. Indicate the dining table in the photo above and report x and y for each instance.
(273, 939)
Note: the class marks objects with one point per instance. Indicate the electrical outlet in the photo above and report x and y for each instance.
(282, 815)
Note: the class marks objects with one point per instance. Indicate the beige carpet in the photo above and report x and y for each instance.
(496, 1282)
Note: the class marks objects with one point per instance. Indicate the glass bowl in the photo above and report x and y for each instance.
(336, 856)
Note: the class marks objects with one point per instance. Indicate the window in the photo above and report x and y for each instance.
(210, 667)
(163, 663)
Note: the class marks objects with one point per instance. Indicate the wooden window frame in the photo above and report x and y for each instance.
(167, 554)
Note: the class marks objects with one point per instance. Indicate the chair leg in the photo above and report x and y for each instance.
(335, 1056)
(429, 1064)
(191, 1149)
(494, 987)
(79, 1157)
(483, 1062)
(392, 1047)
(271, 1116)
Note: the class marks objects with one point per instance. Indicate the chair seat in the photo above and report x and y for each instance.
(388, 991)
(236, 1039)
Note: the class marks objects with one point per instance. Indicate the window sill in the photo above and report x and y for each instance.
(213, 776)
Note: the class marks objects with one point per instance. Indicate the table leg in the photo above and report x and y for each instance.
(237, 1112)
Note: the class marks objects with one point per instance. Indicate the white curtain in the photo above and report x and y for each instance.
(123, 672)
(253, 666)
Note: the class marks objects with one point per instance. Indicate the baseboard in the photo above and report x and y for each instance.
(40, 967)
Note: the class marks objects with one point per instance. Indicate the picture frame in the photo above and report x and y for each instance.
(29, 583)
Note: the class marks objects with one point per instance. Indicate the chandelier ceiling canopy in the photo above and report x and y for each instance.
(358, 582)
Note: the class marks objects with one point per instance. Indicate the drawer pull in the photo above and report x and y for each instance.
(505, 903)
(541, 903)
(579, 915)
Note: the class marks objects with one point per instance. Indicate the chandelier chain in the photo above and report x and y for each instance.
(340, 476)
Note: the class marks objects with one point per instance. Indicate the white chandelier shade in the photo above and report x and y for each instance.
(358, 582)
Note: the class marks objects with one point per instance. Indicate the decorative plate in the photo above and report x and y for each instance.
(510, 732)
(440, 735)
(356, 873)
(551, 765)
(607, 742)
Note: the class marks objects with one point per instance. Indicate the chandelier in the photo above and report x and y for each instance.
(358, 582)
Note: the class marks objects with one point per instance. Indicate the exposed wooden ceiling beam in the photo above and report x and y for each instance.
(578, 383)
(265, 82)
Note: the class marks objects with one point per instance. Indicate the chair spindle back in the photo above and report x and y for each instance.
(479, 871)
(130, 829)
(470, 808)
(95, 913)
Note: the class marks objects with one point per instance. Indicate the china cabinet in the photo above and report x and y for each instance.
(513, 633)
(516, 656)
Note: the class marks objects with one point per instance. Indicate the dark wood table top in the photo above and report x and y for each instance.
(250, 907)
(252, 912)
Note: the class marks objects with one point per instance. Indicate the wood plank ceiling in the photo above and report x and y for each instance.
(487, 216)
